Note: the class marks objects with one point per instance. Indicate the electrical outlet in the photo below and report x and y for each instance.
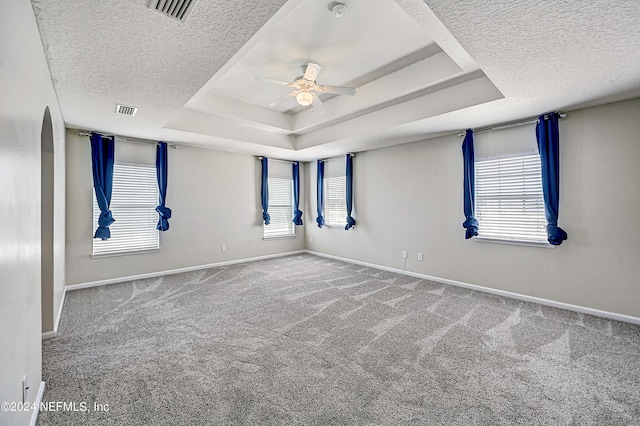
(404, 254)
(223, 247)
(419, 256)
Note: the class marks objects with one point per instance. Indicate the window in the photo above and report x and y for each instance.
(280, 208)
(509, 204)
(133, 203)
(335, 207)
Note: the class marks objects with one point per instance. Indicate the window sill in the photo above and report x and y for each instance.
(124, 253)
(278, 237)
(539, 244)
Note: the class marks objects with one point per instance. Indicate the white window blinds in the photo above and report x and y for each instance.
(280, 208)
(335, 206)
(509, 203)
(133, 203)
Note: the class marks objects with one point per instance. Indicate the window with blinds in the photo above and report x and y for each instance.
(133, 204)
(509, 204)
(280, 208)
(335, 205)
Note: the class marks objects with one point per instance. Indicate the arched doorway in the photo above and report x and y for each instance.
(46, 222)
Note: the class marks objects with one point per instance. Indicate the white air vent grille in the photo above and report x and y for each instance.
(126, 110)
(176, 9)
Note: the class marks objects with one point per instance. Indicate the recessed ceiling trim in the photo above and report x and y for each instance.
(410, 81)
(427, 91)
(176, 9)
(403, 62)
(196, 122)
(456, 97)
(235, 110)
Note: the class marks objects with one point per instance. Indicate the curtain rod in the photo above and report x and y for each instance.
(508, 125)
(123, 138)
(260, 157)
(338, 156)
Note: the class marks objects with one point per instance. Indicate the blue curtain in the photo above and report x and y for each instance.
(297, 214)
(471, 223)
(549, 148)
(350, 220)
(265, 191)
(102, 155)
(320, 194)
(161, 172)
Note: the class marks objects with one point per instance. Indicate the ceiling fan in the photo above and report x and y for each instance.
(306, 89)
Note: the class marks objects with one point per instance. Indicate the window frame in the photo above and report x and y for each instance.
(273, 206)
(150, 217)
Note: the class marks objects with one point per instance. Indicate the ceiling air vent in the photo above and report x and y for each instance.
(126, 110)
(176, 9)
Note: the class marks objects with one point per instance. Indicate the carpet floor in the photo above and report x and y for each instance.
(305, 340)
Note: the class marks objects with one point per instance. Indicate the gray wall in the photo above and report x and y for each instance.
(26, 91)
(215, 200)
(409, 197)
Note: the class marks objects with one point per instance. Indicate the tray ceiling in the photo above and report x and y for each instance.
(420, 68)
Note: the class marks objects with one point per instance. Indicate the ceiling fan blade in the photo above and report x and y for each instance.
(312, 71)
(271, 80)
(317, 105)
(283, 98)
(349, 91)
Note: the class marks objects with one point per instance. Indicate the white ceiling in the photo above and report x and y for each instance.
(421, 68)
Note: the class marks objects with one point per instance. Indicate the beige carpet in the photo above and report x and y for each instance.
(304, 340)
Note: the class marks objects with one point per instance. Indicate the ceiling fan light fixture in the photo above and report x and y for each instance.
(305, 88)
(304, 98)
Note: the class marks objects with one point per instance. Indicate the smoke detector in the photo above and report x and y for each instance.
(338, 9)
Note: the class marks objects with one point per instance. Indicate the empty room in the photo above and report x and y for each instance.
(317, 212)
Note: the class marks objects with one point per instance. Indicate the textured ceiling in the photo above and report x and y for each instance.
(421, 68)
(574, 52)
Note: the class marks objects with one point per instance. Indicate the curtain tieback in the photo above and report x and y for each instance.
(350, 223)
(165, 215)
(555, 235)
(471, 225)
(164, 212)
(104, 220)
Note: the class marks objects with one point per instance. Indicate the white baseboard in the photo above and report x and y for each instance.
(36, 411)
(523, 297)
(59, 314)
(177, 271)
(54, 333)
(48, 335)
